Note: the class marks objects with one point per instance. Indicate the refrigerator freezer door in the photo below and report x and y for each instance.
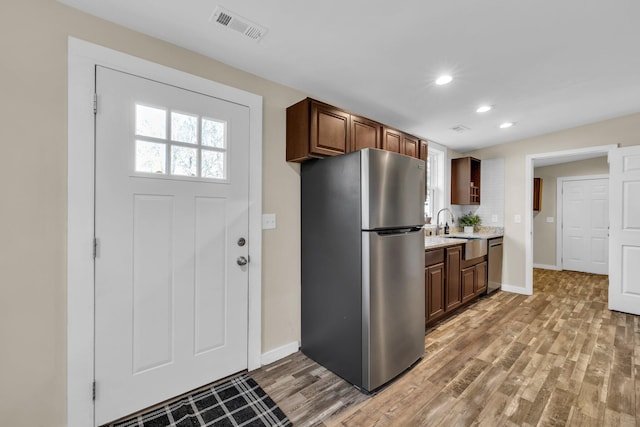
(392, 305)
(393, 190)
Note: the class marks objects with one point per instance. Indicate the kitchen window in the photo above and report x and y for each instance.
(435, 182)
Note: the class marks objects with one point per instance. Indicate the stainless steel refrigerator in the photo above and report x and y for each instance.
(362, 290)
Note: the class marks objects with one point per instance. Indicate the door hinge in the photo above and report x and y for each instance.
(95, 247)
(93, 391)
(95, 103)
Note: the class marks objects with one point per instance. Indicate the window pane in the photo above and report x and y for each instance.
(150, 157)
(213, 164)
(151, 122)
(213, 133)
(184, 128)
(183, 161)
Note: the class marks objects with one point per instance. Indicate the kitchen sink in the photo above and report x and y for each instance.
(474, 247)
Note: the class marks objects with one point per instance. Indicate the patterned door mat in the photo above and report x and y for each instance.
(237, 402)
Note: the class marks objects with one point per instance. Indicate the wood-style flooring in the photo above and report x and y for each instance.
(558, 357)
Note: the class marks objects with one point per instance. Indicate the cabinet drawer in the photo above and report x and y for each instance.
(433, 256)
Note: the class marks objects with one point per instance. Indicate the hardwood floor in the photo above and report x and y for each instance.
(558, 357)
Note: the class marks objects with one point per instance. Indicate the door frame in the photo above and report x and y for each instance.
(528, 201)
(559, 201)
(82, 59)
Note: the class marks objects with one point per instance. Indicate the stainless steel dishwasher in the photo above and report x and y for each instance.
(495, 265)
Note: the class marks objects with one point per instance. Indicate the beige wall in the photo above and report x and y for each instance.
(33, 180)
(33, 132)
(624, 131)
(544, 233)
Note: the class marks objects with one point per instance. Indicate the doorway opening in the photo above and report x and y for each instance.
(545, 160)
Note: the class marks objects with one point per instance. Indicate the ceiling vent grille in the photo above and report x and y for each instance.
(460, 128)
(237, 23)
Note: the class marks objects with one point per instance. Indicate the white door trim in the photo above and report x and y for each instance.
(528, 201)
(82, 58)
(559, 183)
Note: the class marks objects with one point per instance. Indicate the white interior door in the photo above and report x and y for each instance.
(624, 272)
(171, 205)
(585, 225)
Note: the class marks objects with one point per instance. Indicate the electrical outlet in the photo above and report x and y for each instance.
(550, 219)
(494, 218)
(268, 221)
(517, 219)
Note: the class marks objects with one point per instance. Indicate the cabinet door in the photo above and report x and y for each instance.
(391, 140)
(537, 194)
(467, 276)
(410, 145)
(453, 295)
(424, 148)
(434, 292)
(465, 181)
(365, 133)
(481, 278)
(330, 131)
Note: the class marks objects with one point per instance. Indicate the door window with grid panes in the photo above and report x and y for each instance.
(180, 144)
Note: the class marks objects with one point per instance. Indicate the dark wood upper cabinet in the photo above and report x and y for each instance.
(365, 133)
(465, 181)
(410, 145)
(400, 142)
(537, 194)
(315, 129)
(391, 140)
(424, 149)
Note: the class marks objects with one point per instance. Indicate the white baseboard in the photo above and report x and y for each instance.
(547, 267)
(278, 353)
(515, 289)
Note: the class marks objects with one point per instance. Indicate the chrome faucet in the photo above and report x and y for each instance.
(438, 219)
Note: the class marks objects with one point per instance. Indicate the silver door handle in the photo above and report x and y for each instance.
(242, 260)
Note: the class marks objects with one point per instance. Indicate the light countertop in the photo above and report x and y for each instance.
(476, 235)
(456, 238)
(442, 242)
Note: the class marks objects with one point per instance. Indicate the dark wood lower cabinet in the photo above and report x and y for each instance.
(467, 276)
(480, 286)
(453, 294)
(451, 282)
(434, 292)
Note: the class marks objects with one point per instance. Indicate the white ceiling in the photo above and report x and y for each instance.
(545, 65)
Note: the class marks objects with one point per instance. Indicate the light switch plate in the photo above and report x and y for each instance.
(517, 219)
(268, 221)
(550, 219)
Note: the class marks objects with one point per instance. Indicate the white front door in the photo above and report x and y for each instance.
(585, 225)
(624, 271)
(171, 300)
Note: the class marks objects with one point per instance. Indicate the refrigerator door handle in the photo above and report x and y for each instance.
(406, 230)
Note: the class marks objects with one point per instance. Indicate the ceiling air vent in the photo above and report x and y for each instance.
(237, 23)
(460, 128)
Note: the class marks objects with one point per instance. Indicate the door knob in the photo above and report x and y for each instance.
(242, 260)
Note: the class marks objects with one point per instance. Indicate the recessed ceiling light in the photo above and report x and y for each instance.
(483, 109)
(443, 80)
(506, 125)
